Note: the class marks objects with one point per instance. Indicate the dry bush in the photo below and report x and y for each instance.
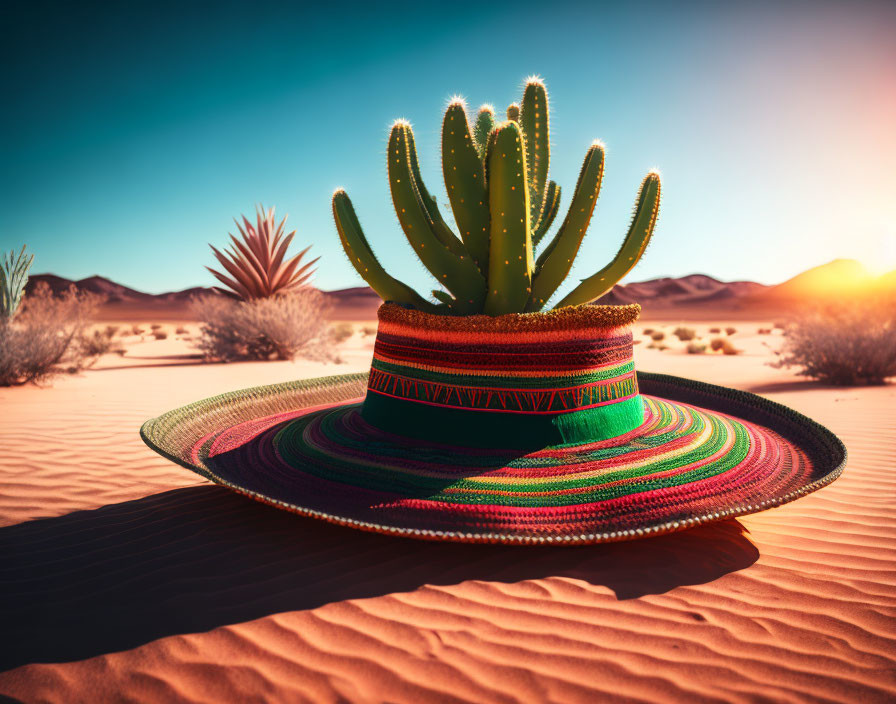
(368, 330)
(98, 343)
(730, 331)
(764, 331)
(723, 345)
(136, 330)
(780, 325)
(657, 335)
(47, 336)
(696, 348)
(155, 326)
(715, 331)
(847, 344)
(160, 334)
(181, 330)
(648, 331)
(341, 332)
(685, 334)
(280, 327)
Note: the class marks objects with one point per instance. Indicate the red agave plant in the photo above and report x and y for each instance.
(257, 264)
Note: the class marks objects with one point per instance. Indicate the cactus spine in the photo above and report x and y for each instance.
(504, 205)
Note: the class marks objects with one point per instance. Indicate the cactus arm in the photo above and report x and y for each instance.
(430, 205)
(444, 297)
(459, 275)
(364, 260)
(513, 112)
(548, 212)
(465, 181)
(534, 121)
(647, 209)
(510, 253)
(555, 262)
(485, 123)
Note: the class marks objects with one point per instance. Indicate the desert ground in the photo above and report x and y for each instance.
(128, 578)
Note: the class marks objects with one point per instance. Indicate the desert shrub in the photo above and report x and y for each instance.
(685, 334)
(160, 334)
(715, 331)
(46, 336)
(696, 348)
(657, 335)
(110, 331)
(730, 331)
(279, 327)
(780, 325)
(723, 345)
(368, 330)
(136, 330)
(98, 343)
(648, 331)
(654, 346)
(155, 326)
(341, 332)
(181, 330)
(846, 344)
(764, 331)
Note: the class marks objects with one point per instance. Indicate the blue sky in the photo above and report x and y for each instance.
(133, 133)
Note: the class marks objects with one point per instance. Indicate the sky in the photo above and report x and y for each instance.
(133, 133)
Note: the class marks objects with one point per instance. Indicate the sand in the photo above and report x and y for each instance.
(127, 578)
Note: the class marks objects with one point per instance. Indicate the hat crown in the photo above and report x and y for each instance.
(519, 380)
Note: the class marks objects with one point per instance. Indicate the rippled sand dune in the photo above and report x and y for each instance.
(126, 578)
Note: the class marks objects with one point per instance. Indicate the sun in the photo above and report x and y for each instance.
(878, 252)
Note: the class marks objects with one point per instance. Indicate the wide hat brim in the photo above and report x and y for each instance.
(704, 453)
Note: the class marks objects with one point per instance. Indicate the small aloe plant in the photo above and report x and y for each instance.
(13, 278)
(257, 262)
(496, 175)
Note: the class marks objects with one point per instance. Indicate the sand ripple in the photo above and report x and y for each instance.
(195, 595)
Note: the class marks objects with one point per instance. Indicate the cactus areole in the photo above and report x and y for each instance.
(504, 204)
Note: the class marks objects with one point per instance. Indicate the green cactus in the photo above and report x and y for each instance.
(364, 260)
(555, 262)
(510, 242)
(504, 205)
(647, 208)
(13, 277)
(485, 123)
(465, 181)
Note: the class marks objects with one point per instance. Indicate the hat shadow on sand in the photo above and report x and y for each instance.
(193, 559)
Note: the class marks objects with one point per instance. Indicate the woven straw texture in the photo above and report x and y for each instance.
(703, 453)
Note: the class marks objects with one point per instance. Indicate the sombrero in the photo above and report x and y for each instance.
(520, 428)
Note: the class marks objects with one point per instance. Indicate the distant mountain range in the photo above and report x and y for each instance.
(693, 296)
